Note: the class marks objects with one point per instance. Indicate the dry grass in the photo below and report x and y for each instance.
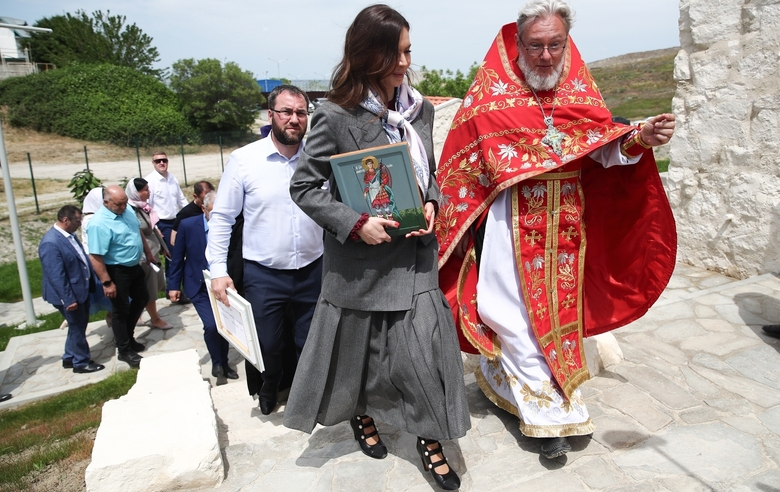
(48, 148)
(59, 467)
(47, 445)
(51, 149)
(23, 187)
(638, 88)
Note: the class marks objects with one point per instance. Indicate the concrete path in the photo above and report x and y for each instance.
(694, 406)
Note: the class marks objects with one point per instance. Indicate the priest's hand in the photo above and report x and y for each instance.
(658, 130)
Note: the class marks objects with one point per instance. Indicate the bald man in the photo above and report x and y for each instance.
(115, 249)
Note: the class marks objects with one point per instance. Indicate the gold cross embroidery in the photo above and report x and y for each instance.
(568, 301)
(533, 238)
(570, 233)
(541, 311)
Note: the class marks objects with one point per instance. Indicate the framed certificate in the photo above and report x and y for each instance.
(380, 181)
(236, 324)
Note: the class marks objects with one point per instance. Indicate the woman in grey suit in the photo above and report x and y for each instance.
(382, 341)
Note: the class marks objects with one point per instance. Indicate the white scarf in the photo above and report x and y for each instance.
(408, 102)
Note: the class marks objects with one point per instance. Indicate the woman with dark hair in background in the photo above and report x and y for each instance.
(137, 191)
(382, 341)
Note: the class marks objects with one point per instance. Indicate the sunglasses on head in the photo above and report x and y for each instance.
(157, 161)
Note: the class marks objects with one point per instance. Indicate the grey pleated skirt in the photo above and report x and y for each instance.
(403, 368)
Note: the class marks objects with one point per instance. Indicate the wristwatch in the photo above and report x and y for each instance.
(106, 283)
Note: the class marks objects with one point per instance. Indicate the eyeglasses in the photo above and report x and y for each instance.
(536, 49)
(157, 161)
(286, 114)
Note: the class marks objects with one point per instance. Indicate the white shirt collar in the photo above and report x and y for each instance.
(269, 149)
(63, 231)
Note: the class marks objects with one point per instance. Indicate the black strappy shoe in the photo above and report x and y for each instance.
(359, 424)
(448, 481)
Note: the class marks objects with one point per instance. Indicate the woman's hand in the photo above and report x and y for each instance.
(430, 216)
(373, 231)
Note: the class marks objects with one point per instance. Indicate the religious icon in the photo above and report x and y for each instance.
(381, 182)
(377, 189)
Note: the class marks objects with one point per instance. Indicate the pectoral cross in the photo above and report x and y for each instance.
(553, 138)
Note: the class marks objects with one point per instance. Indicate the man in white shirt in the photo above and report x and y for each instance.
(166, 198)
(282, 246)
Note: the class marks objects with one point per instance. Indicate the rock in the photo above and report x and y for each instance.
(162, 435)
(601, 352)
(722, 179)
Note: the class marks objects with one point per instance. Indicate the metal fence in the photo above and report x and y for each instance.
(191, 158)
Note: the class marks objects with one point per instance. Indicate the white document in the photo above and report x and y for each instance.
(236, 324)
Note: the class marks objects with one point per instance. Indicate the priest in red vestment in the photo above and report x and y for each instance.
(553, 222)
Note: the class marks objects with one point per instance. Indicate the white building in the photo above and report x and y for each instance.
(14, 57)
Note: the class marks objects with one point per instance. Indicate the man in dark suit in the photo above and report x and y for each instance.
(68, 278)
(187, 265)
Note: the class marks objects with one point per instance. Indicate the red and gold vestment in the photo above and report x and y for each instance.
(627, 230)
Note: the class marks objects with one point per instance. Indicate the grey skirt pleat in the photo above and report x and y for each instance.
(403, 368)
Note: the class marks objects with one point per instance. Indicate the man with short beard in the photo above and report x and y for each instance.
(532, 143)
(282, 246)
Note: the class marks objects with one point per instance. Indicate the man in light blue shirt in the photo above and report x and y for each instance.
(115, 248)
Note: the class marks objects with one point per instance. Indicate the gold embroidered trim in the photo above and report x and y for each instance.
(563, 430)
(555, 176)
(576, 379)
(494, 397)
(469, 261)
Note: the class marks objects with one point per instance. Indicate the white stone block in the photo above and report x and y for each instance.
(682, 66)
(162, 435)
(602, 352)
(724, 153)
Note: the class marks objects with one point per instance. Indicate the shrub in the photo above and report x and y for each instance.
(216, 97)
(82, 183)
(94, 102)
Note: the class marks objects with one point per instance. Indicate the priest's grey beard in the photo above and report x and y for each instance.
(537, 82)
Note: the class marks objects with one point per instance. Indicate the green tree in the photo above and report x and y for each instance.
(95, 102)
(215, 97)
(101, 38)
(445, 82)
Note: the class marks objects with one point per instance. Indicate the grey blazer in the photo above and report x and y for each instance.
(356, 275)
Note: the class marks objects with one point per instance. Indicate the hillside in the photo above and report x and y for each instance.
(637, 85)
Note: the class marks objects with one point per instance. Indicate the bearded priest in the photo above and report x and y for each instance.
(533, 161)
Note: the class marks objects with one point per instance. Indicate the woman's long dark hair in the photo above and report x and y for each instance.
(370, 52)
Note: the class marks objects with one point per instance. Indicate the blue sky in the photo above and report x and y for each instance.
(304, 39)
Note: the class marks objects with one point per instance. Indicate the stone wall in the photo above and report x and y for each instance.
(442, 122)
(724, 175)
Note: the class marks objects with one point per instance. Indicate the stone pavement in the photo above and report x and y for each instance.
(31, 365)
(694, 406)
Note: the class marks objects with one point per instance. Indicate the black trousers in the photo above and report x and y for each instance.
(166, 228)
(128, 304)
(271, 292)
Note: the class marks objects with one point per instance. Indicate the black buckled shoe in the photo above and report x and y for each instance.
(359, 424)
(553, 447)
(447, 481)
